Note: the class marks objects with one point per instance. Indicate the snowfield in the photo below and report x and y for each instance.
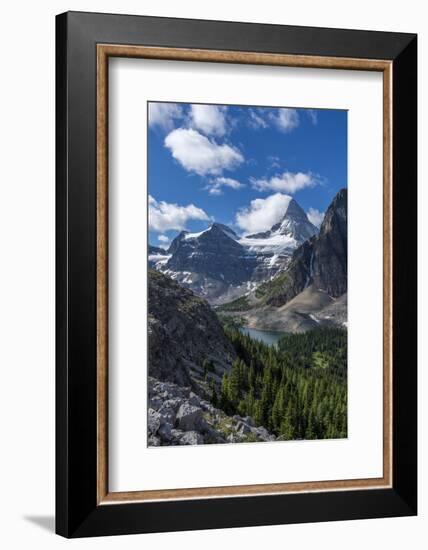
(276, 244)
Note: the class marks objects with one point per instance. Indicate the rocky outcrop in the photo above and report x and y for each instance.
(185, 337)
(178, 416)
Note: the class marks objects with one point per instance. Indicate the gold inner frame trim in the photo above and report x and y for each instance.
(104, 51)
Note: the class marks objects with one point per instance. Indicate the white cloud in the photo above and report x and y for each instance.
(164, 114)
(313, 116)
(262, 213)
(210, 119)
(164, 216)
(315, 216)
(163, 239)
(288, 182)
(197, 153)
(285, 119)
(215, 188)
(255, 120)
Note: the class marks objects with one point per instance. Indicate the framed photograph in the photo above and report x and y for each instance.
(236, 274)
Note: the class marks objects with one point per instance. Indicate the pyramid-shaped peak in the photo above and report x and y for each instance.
(224, 229)
(294, 210)
(295, 223)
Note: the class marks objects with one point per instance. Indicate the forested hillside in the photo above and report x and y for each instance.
(297, 390)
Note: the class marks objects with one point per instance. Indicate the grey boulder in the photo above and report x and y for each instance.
(153, 421)
(191, 438)
(189, 417)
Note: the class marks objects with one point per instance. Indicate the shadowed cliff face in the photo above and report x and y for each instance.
(320, 261)
(183, 333)
(330, 253)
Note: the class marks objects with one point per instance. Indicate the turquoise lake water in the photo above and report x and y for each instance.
(269, 337)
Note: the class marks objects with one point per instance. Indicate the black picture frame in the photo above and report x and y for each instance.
(77, 511)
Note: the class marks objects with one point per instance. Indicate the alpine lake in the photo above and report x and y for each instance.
(268, 337)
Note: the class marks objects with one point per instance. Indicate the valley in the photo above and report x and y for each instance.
(248, 335)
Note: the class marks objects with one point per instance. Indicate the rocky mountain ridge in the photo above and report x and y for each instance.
(219, 265)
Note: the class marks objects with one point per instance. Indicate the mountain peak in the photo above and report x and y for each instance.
(295, 224)
(224, 229)
(294, 210)
(336, 212)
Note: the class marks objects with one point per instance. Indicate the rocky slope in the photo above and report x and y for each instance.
(184, 333)
(308, 310)
(178, 416)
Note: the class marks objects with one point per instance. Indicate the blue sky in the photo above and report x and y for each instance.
(239, 165)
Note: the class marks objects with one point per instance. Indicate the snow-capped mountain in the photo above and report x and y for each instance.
(275, 246)
(220, 265)
(215, 253)
(290, 232)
